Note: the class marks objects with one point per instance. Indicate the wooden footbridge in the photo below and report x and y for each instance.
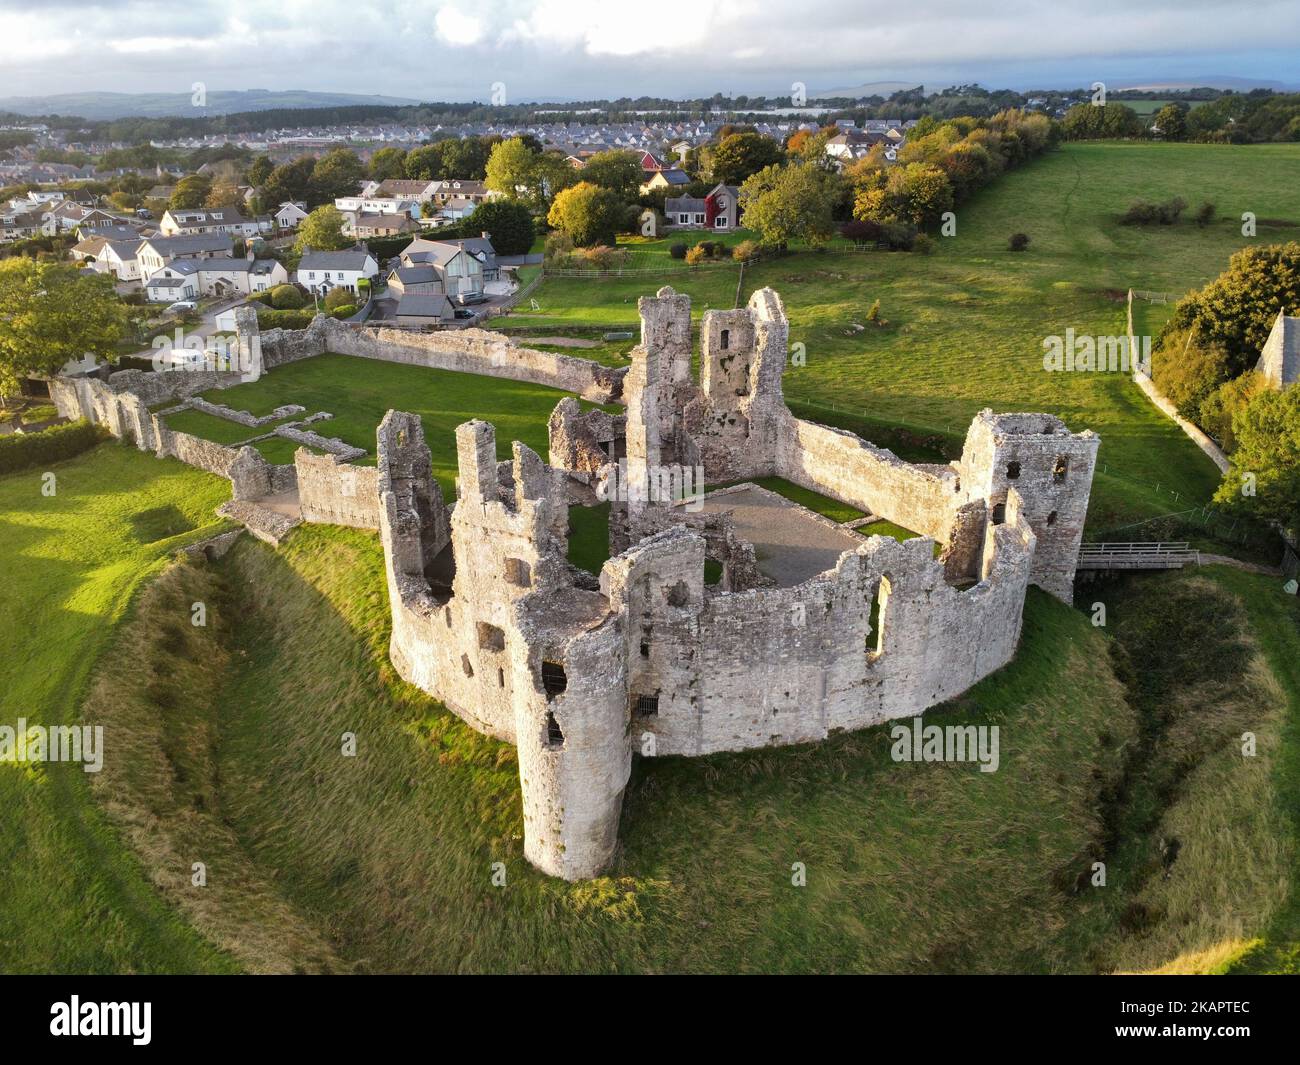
(1118, 556)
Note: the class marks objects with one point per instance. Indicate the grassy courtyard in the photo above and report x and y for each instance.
(359, 392)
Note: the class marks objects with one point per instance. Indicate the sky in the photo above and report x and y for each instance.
(581, 49)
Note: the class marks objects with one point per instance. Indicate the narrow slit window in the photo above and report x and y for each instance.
(1061, 468)
(554, 737)
(554, 679)
(647, 705)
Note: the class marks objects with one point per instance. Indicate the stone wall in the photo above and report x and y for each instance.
(335, 492)
(476, 351)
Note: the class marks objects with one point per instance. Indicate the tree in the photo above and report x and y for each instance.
(509, 224)
(50, 314)
(387, 163)
(287, 298)
(512, 169)
(260, 170)
(289, 182)
(785, 203)
(190, 192)
(425, 163)
(618, 170)
(1171, 120)
(337, 173)
(589, 214)
(336, 297)
(466, 157)
(741, 155)
(224, 196)
(1264, 477)
(1092, 121)
(917, 193)
(1238, 308)
(322, 230)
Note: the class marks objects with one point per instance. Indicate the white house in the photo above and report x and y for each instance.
(189, 221)
(320, 271)
(220, 276)
(156, 252)
(290, 214)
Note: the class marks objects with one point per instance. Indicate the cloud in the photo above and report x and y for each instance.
(576, 49)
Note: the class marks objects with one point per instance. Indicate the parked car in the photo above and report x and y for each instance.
(181, 306)
(460, 312)
(469, 299)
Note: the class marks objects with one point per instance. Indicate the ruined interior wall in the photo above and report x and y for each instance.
(473, 351)
(843, 466)
(335, 492)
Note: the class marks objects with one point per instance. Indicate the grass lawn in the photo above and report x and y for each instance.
(72, 899)
(910, 867)
(965, 325)
(359, 392)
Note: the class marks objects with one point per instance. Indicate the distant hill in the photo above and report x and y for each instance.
(873, 88)
(110, 105)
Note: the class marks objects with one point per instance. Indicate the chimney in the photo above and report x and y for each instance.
(485, 235)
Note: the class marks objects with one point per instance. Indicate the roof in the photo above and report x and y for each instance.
(1279, 359)
(402, 187)
(189, 243)
(420, 305)
(677, 204)
(348, 259)
(415, 275)
(675, 176)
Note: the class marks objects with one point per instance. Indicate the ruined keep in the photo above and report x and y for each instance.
(823, 631)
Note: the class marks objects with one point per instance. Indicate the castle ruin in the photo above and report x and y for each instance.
(809, 628)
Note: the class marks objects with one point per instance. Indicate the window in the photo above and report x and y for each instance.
(699, 219)
(465, 665)
(1013, 471)
(1061, 468)
(999, 513)
(491, 638)
(554, 679)
(1051, 518)
(518, 573)
(725, 338)
(554, 737)
(647, 705)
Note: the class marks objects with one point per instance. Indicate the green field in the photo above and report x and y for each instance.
(965, 325)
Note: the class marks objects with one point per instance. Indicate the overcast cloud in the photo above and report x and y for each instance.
(574, 49)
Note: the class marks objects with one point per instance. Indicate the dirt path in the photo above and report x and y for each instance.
(1236, 563)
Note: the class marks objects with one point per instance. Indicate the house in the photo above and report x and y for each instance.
(396, 205)
(461, 189)
(320, 271)
(121, 258)
(421, 280)
(418, 190)
(1279, 358)
(363, 226)
(672, 178)
(17, 226)
(290, 214)
(156, 252)
(464, 266)
(220, 276)
(719, 210)
(177, 221)
(415, 310)
(67, 216)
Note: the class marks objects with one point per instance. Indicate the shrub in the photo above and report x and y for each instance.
(558, 249)
(604, 257)
(1143, 213)
(745, 250)
(708, 248)
(677, 250)
(1018, 241)
(899, 236)
(923, 243)
(861, 231)
(695, 255)
(287, 298)
(346, 310)
(1205, 214)
(22, 451)
(335, 298)
(284, 319)
(873, 315)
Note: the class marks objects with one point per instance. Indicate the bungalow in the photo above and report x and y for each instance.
(223, 276)
(290, 214)
(320, 271)
(363, 226)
